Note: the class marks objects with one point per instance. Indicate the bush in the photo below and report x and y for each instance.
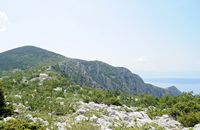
(182, 108)
(187, 113)
(4, 109)
(189, 119)
(153, 112)
(146, 100)
(2, 100)
(113, 101)
(84, 126)
(20, 125)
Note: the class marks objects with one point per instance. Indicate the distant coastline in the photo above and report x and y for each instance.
(183, 84)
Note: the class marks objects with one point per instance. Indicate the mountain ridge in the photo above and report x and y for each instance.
(87, 73)
(26, 57)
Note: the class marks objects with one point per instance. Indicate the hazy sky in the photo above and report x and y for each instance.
(147, 36)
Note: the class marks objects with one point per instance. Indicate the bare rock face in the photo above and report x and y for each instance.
(60, 125)
(80, 118)
(42, 77)
(38, 120)
(167, 122)
(117, 116)
(8, 119)
(101, 75)
(93, 118)
(196, 127)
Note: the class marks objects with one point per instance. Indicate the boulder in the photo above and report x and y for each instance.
(167, 122)
(93, 118)
(61, 125)
(8, 119)
(58, 89)
(18, 96)
(104, 123)
(81, 111)
(196, 127)
(95, 106)
(80, 118)
(38, 120)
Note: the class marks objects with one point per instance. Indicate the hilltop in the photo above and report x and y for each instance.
(27, 57)
(95, 74)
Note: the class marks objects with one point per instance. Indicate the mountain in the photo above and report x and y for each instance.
(102, 75)
(26, 57)
(85, 73)
(173, 90)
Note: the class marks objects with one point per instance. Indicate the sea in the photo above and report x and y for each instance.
(183, 84)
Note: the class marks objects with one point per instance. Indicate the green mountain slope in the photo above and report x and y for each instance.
(42, 98)
(101, 75)
(85, 73)
(26, 57)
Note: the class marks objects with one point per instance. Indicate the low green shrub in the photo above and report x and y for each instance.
(189, 119)
(84, 126)
(153, 112)
(43, 98)
(5, 110)
(20, 125)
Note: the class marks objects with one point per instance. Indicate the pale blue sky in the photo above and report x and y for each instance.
(150, 37)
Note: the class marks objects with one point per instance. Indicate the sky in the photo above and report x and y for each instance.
(153, 38)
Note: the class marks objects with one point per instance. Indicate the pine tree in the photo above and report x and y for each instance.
(2, 100)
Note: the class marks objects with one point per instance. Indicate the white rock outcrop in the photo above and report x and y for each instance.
(80, 118)
(8, 119)
(167, 122)
(38, 120)
(60, 125)
(122, 116)
(196, 127)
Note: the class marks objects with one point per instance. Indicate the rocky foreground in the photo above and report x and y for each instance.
(104, 117)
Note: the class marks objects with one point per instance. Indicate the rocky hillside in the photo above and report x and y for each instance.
(85, 73)
(102, 75)
(43, 99)
(93, 116)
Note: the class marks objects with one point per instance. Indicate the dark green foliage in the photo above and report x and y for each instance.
(182, 108)
(27, 57)
(146, 100)
(189, 119)
(113, 101)
(153, 112)
(85, 73)
(20, 125)
(185, 108)
(187, 113)
(5, 110)
(43, 98)
(85, 126)
(2, 100)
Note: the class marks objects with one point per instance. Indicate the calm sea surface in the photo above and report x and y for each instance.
(184, 85)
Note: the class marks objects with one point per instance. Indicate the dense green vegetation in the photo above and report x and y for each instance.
(20, 125)
(185, 108)
(5, 110)
(27, 57)
(59, 96)
(85, 73)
